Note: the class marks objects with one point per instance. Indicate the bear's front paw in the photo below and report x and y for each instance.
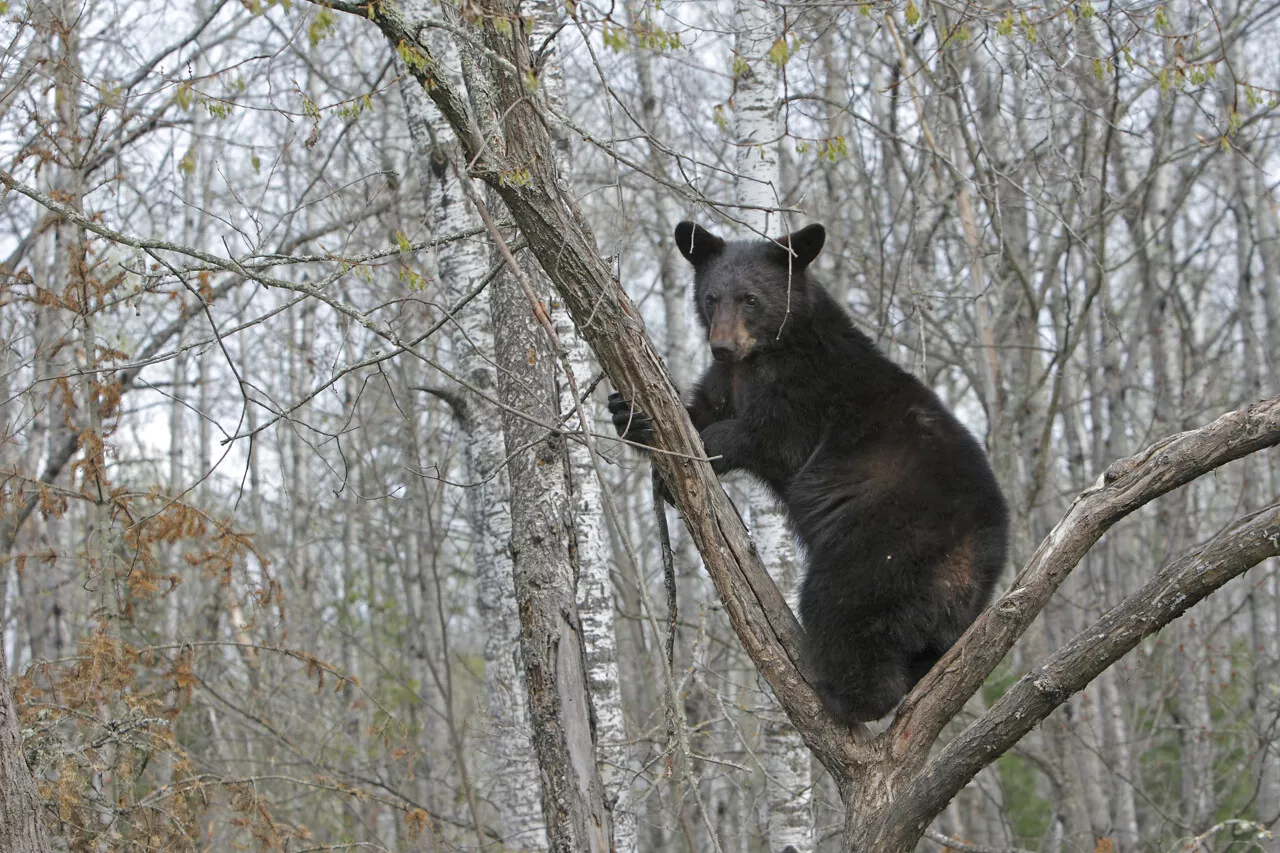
(631, 423)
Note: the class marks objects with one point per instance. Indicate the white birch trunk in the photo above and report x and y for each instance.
(595, 604)
(756, 119)
(551, 643)
(670, 270)
(757, 126)
(551, 634)
(591, 538)
(513, 773)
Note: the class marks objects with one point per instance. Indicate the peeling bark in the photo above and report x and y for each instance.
(511, 769)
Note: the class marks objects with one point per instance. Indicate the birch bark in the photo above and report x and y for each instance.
(590, 538)
(513, 773)
(758, 128)
(551, 640)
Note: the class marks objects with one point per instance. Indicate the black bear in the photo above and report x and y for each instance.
(899, 514)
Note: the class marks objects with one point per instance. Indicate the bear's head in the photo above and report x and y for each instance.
(749, 294)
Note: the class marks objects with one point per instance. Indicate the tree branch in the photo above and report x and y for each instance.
(1165, 597)
(1126, 485)
(457, 402)
(561, 240)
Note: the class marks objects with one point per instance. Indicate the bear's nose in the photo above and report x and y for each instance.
(722, 350)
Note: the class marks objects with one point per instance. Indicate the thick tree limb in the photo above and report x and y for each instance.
(1162, 599)
(1124, 487)
(561, 240)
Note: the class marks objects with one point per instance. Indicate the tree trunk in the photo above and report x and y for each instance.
(551, 640)
(783, 756)
(586, 500)
(21, 827)
(512, 770)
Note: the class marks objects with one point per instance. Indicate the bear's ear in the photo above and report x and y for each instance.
(697, 244)
(806, 243)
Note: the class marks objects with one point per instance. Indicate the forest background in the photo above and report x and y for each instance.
(307, 546)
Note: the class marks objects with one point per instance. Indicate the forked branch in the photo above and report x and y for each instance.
(1173, 590)
(1124, 487)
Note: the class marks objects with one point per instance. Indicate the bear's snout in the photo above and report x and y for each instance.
(723, 350)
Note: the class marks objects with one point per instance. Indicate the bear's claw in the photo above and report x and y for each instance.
(631, 423)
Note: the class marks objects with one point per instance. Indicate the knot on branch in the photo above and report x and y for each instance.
(1048, 685)
(1011, 602)
(1118, 469)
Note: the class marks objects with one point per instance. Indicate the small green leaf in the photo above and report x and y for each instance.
(1028, 28)
(912, 13)
(216, 109)
(411, 278)
(719, 118)
(778, 53)
(833, 148)
(650, 36)
(321, 26)
(615, 38)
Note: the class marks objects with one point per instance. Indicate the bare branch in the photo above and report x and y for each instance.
(561, 240)
(1124, 487)
(1164, 598)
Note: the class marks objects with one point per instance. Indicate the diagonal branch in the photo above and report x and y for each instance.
(1165, 597)
(1124, 487)
(561, 240)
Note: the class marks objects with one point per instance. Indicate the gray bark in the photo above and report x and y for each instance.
(513, 785)
(21, 826)
(551, 639)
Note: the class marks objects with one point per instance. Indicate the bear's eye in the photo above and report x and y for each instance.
(711, 300)
(750, 299)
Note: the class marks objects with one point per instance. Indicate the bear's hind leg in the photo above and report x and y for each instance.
(862, 681)
(920, 666)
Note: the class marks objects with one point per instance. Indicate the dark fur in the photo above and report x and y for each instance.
(900, 516)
